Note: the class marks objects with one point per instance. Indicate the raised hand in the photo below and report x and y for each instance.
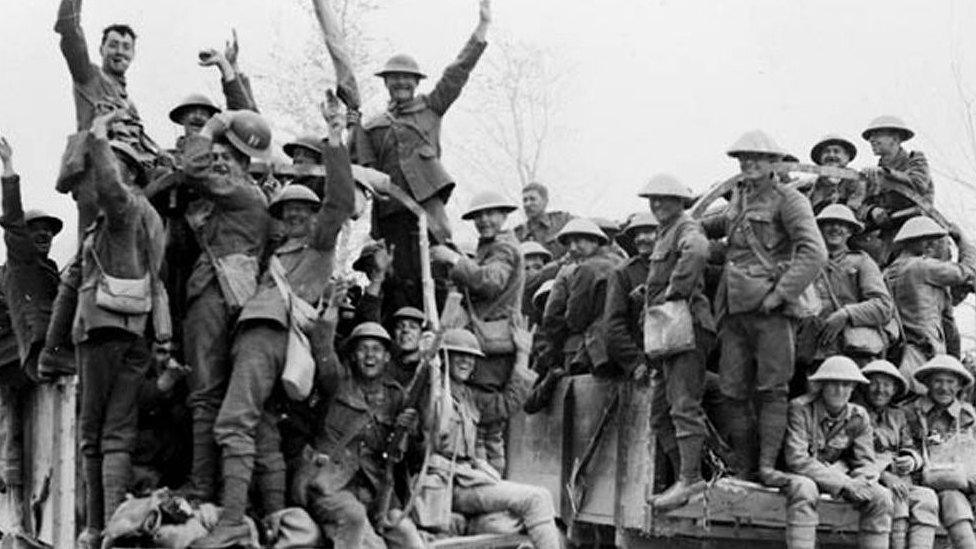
(522, 335)
(100, 125)
(232, 48)
(6, 152)
(484, 11)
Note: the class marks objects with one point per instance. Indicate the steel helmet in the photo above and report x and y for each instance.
(832, 139)
(488, 200)
(460, 340)
(581, 226)
(401, 62)
(193, 100)
(642, 220)
(947, 364)
(541, 295)
(531, 247)
(292, 193)
(666, 185)
(838, 368)
(840, 212)
(369, 329)
(756, 142)
(412, 313)
(307, 142)
(888, 122)
(888, 369)
(43, 217)
(250, 133)
(920, 226)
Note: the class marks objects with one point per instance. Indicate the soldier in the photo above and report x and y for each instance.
(675, 272)
(535, 256)
(404, 142)
(408, 323)
(299, 269)
(919, 283)
(915, 508)
(830, 448)
(477, 487)
(774, 252)
(123, 250)
(833, 150)
(938, 420)
(340, 480)
(493, 283)
(852, 292)
(230, 221)
(898, 171)
(540, 225)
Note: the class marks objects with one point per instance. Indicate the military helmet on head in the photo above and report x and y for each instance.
(307, 142)
(920, 226)
(488, 200)
(642, 220)
(192, 100)
(840, 212)
(756, 142)
(891, 123)
(292, 193)
(944, 364)
(461, 341)
(531, 247)
(250, 134)
(888, 369)
(832, 139)
(42, 217)
(666, 185)
(581, 227)
(411, 313)
(373, 330)
(838, 368)
(401, 63)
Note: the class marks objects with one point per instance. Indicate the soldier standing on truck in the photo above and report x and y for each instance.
(774, 252)
(541, 226)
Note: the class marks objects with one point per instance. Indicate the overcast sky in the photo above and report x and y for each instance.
(654, 86)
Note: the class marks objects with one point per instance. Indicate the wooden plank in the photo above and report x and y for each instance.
(635, 466)
(65, 462)
(592, 395)
(481, 541)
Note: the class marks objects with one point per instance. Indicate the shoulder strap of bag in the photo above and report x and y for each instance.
(830, 289)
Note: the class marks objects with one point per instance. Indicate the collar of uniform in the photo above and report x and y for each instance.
(953, 409)
(900, 157)
(543, 220)
(750, 187)
(414, 105)
(838, 254)
(879, 415)
(821, 415)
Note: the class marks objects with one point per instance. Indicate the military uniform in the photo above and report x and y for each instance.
(827, 191)
(543, 229)
(623, 313)
(825, 453)
(908, 170)
(13, 401)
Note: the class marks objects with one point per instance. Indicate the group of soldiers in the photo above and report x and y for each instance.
(205, 318)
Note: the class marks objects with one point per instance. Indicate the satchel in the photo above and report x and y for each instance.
(495, 336)
(129, 296)
(861, 340)
(298, 375)
(669, 329)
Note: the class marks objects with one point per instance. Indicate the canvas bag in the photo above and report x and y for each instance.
(669, 329)
(298, 375)
(130, 296)
(495, 336)
(866, 340)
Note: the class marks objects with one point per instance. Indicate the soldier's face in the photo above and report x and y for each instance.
(489, 222)
(407, 334)
(581, 246)
(305, 157)
(193, 120)
(666, 208)
(881, 390)
(225, 161)
(834, 155)
(462, 366)
(943, 388)
(41, 234)
(534, 263)
(756, 166)
(533, 204)
(371, 357)
(297, 217)
(835, 233)
(402, 86)
(836, 394)
(884, 142)
(117, 52)
(644, 240)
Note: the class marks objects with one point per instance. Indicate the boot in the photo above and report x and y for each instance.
(690, 480)
(271, 488)
(545, 536)
(742, 438)
(678, 494)
(920, 536)
(801, 537)
(94, 501)
(205, 455)
(116, 469)
(872, 540)
(772, 430)
(899, 533)
(961, 535)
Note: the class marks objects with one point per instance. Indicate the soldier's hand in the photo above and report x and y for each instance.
(101, 123)
(641, 373)
(858, 491)
(772, 301)
(232, 48)
(331, 111)
(522, 335)
(484, 11)
(879, 216)
(353, 118)
(832, 327)
(899, 487)
(161, 351)
(442, 254)
(408, 419)
(6, 151)
(902, 465)
(216, 125)
(382, 262)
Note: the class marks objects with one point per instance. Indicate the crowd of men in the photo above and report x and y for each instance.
(197, 290)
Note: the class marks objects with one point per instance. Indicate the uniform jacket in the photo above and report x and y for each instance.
(404, 142)
(494, 279)
(308, 264)
(893, 437)
(623, 313)
(543, 229)
(855, 280)
(129, 239)
(585, 303)
(908, 170)
(829, 450)
(677, 268)
(919, 286)
(553, 330)
(30, 280)
(783, 222)
(827, 191)
(8, 340)
(931, 424)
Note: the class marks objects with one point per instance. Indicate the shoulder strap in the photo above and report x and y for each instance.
(751, 239)
(830, 289)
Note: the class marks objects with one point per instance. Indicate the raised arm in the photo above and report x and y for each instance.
(223, 190)
(456, 74)
(73, 44)
(339, 201)
(20, 247)
(111, 195)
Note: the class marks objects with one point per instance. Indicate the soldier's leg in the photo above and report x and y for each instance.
(95, 365)
(667, 442)
(530, 503)
(923, 517)
(899, 522)
(341, 516)
(14, 396)
(737, 374)
(774, 336)
(269, 465)
(957, 518)
(206, 347)
(802, 496)
(874, 526)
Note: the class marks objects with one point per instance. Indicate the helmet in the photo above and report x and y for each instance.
(308, 142)
(412, 313)
(292, 193)
(192, 100)
(888, 122)
(369, 329)
(788, 157)
(832, 139)
(947, 364)
(581, 226)
(608, 226)
(888, 369)
(401, 62)
(838, 368)
(919, 227)
(840, 212)
(665, 185)
(37, 215)
(461, 341)
(642, 220)
(755, 142)
(249, 133)
(488, 200)
(531, 247)
(541, 295)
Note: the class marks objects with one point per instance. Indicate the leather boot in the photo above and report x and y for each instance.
(920, 536)
(872, 540)
(231, 529)
(772, 430)
(899, 533)
(94, 500)
(116, 469)
(961, 535)
(678, 494)
(205, 455)
(801, 537)
(545, 536)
